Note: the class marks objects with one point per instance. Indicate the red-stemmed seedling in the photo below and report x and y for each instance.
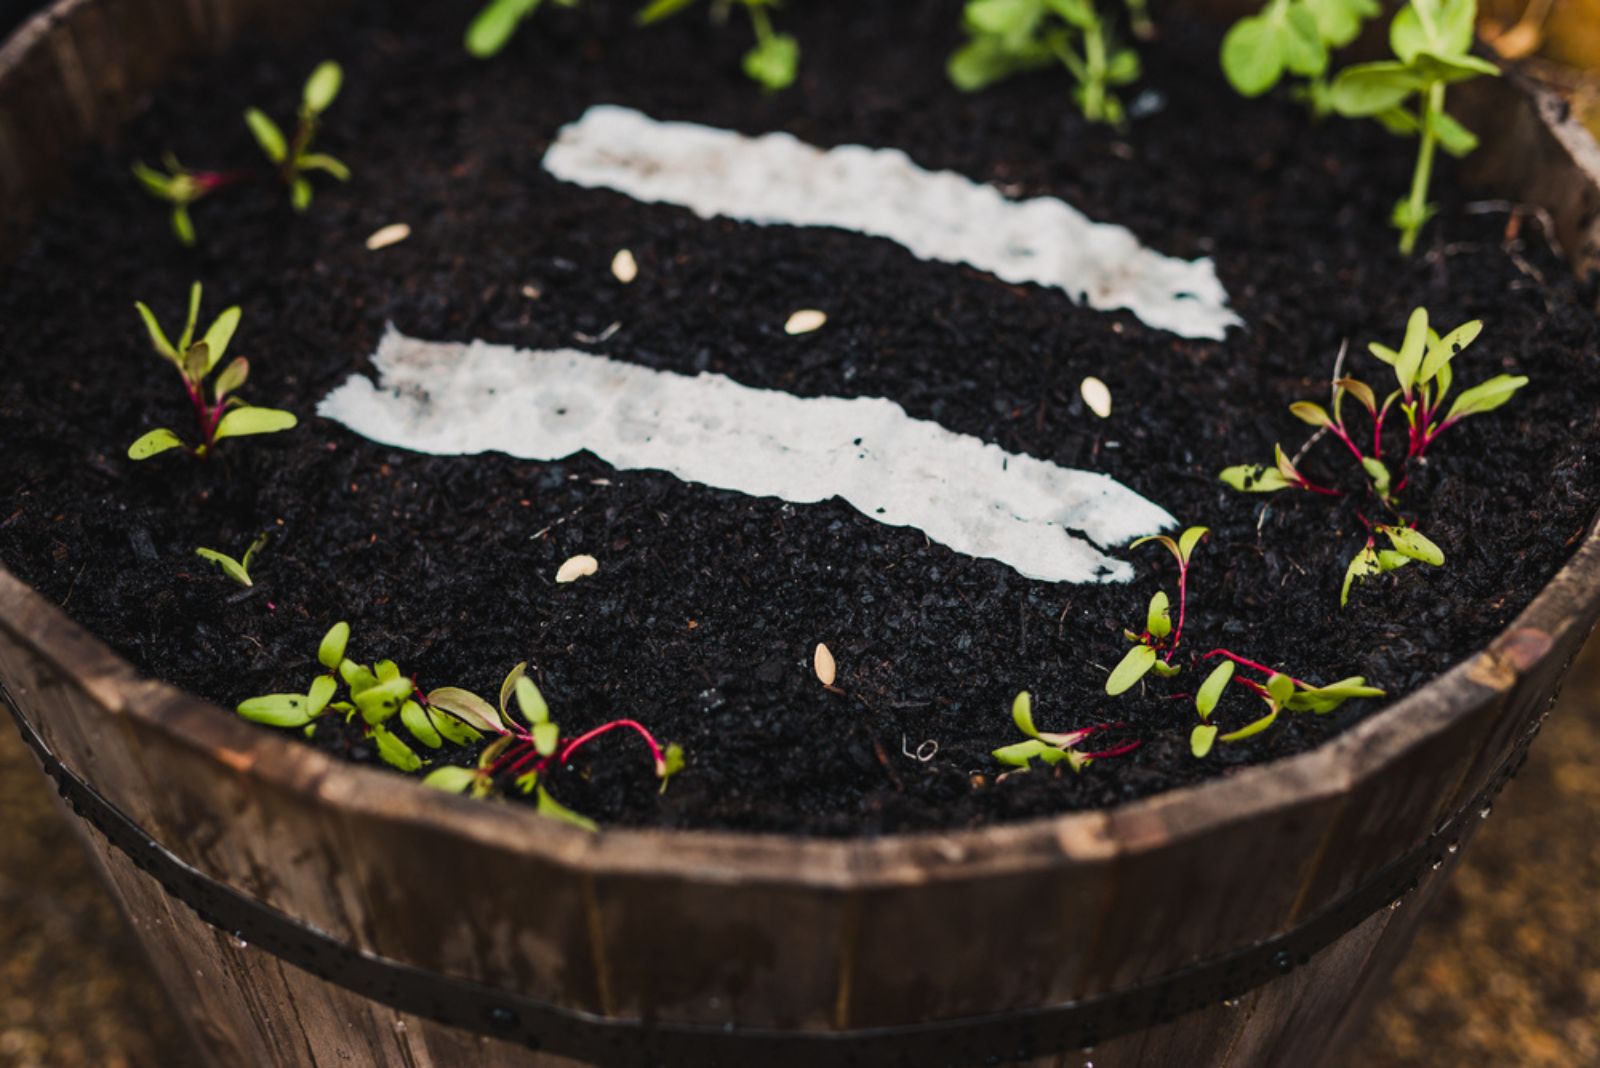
(219, 411)
(1279, 690)
(526, 749)
(531, 747)
(1423, 376)
(1155, 646)
(1051, 748)
(182, 188)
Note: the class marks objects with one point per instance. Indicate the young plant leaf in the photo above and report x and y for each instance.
(467, 707)
(1485, 397)
(1201, 739)
(393, 751)
(267, 135)
(1158, 620)
(322, 690)
(1205, 701)
(492, 27)
(1410, 543)
(1251, 729)
(154, 443)
(1134, 666)
(451, 780)
(278, 710)
(230, 567)
(420, 725)
(330, 654)
(1255, 478)
(246, 421)
(322, 87)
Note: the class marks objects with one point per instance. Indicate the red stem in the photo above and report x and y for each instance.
(1252, 665)
(583, 739)
(1121, 750)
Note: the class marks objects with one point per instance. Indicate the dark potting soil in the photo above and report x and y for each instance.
(706, 607)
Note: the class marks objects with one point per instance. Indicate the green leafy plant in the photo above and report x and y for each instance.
(492, 28)
(220, 415)
(1051, 748)
(1293, 37)
(1406, 544)
(182, 187)
(772, 62)
(530, 748)
(524, 750)
(1424, 376)
(1432, 42)
(1155, 646)
(1281, 692)
(293, 157)
(238, 570)
(1006, 37)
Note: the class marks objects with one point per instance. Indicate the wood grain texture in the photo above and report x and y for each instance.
(727, 928)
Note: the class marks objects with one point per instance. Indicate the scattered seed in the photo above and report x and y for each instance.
(532, 292)
(822, 663)
(392, 234)
(624, 266)
(577, 567)
(1097, 396)
(804, 321)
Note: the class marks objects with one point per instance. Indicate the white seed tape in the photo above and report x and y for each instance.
(449, 399)
(937, 215)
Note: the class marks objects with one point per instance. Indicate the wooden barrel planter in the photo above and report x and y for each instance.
(302, 911)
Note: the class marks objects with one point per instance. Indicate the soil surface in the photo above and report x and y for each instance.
(705, 609)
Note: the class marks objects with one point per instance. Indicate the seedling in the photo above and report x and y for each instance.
(238, 570)
(1432, 42)
(1155, 646)
(1293, 37)
(495, 23)
(772, 62)
(1407, 545)
(294, 158)
(182, 187)
(531, 747)
(1423, 375)
(1051, 748)
(1278, 690)
(223, 414)
(1007, 37)
(378, 695)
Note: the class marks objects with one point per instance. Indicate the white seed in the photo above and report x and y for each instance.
(822, 663)
(804, 321)
(624, 266)
(392, 234)
(1097, 396)
(577, 567)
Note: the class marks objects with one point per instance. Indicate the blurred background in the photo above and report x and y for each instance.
(1506, 971)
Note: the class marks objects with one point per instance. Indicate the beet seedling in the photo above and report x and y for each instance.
(531, 747)
(772, 62)
(1293, 37)
(1051, 748)
(1407, 545)
(377, 694)
(223, 414)
(1424, 376)
(182, 187)
(1007, 37)
(492, 28)
(238, 570)
(1432, 44)
(1278, 690)
(1155, 646)
(294, 158)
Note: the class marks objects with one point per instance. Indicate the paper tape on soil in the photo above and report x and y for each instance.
(937, 215)
(1045, 521)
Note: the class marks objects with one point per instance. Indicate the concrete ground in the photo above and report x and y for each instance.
(1507, 971)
